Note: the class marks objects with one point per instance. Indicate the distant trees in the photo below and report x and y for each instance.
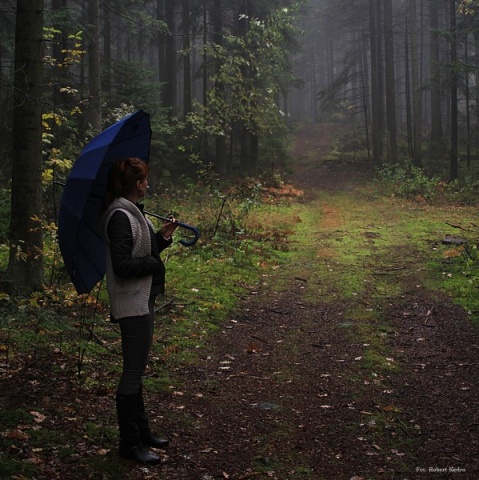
(405, 68)
(174, 59)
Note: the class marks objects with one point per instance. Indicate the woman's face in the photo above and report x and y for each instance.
(142, 187)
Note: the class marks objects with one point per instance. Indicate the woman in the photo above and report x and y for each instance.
(135, 276)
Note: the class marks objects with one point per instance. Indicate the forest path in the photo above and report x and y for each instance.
(308, 382)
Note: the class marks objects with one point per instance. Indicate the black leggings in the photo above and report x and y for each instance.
(136, 338)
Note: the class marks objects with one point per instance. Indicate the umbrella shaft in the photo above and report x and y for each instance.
(186, 243)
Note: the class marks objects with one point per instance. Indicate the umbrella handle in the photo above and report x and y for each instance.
(186, 243)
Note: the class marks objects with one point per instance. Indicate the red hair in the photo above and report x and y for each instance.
(123, 176)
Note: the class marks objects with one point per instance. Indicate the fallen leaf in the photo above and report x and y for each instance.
(34, 460)
(17, 435)
(391, 408)
(38, 417)
(253, 348)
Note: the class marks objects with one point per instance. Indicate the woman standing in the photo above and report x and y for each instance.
(135, 276)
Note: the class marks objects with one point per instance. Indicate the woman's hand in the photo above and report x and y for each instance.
(168, 228)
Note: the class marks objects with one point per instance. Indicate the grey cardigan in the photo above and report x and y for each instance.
(129, 295)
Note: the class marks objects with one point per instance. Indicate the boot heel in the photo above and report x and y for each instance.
(148, 439)
(140, 454)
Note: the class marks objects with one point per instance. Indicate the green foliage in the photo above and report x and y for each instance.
(135, 83)
(468, 7)
(10, 466)
(253, 72)
(410, 182)
(407, 181)
(465, 191)
(471, 256)
(465, 278)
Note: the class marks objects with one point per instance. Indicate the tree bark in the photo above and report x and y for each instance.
(107, 49)
(94, 75)
(467, 99)
(220, 140)
(415, 87)
(187, 99)
(244, 17)
(25, 268)
(453, 82)
(375, 90)
(58, 72)
(204, 136)
(170, 66)
(435, 80)
(390, 81)
(476, 91)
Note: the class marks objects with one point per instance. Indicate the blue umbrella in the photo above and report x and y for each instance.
(79, 227)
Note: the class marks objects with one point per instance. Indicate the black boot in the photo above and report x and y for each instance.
(130, 443)
(146, 437)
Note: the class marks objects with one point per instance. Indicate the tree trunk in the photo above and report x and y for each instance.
(244, 17)
(375, 94)
(187, 100)
(365, 91)
(220, 141)
(435, 80)
(390, 81)
(254, 151)
(245, 160)
(204, 135)
(94, 76)
(415, 87)
(107, 49)
(407, 79)
(160, 15)
(453, 82)
(58, 72)
(476, 91)
(170, 65)
(467, 100)
(25, 268)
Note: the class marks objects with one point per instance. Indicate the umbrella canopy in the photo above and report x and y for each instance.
(80, 233)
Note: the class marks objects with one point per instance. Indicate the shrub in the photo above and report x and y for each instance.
(409, 181)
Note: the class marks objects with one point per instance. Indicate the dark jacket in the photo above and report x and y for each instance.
(124, 265)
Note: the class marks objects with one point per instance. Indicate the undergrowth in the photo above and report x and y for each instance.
(411, 182)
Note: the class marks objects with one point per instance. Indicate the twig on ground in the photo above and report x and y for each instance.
(259, 338)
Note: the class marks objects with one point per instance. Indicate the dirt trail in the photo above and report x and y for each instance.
(279, 394)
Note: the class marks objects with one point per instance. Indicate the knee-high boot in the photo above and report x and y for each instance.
(130, 441)
(146, 437)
